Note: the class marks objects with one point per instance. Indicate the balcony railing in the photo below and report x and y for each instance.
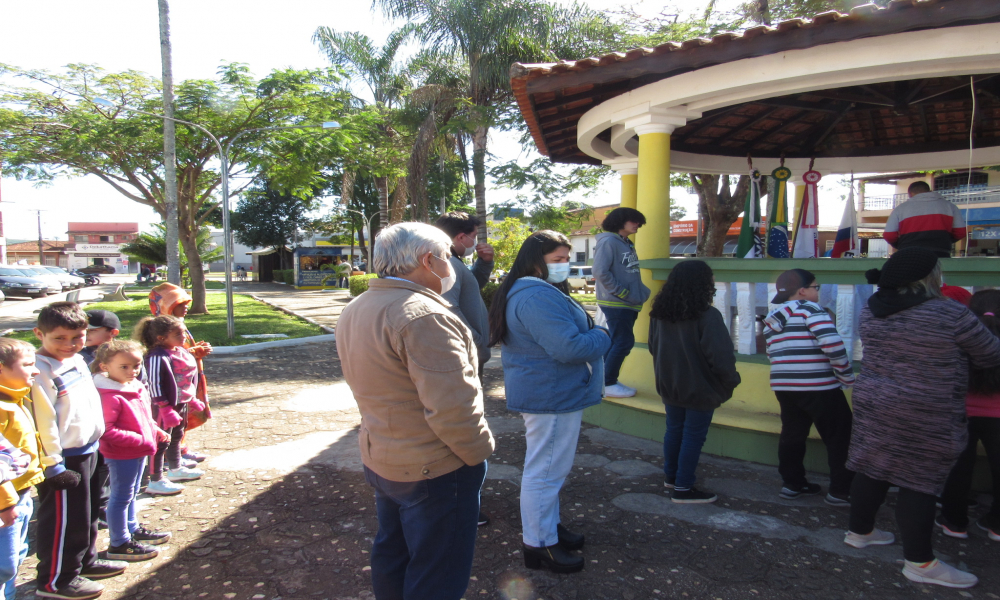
(744, 288)
(960, 196)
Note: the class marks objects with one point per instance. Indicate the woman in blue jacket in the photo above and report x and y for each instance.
(553, 369)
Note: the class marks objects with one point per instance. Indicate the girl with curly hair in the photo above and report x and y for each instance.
(695, 367)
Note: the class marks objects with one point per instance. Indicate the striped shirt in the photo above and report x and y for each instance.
(805, 351)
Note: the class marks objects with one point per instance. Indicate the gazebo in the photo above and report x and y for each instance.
(911, 87)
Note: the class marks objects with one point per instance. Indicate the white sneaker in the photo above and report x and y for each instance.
(184, 474)
(619, 390)
(164, 487)
(876, 538)
(939, 573)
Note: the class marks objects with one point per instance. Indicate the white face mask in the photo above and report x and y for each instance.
(468, 252)
(448, 281)
(558, 272)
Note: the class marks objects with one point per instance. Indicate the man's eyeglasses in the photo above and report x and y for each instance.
(815, 287)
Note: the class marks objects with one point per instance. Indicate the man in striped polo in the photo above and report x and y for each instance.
(809, 370)
(927, 219)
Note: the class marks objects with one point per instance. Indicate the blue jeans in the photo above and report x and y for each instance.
(14, 544)
(126, 478)
(686, 432)
(551, 445)
(621, 321)
(426, 534)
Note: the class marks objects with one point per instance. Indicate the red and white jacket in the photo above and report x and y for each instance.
(927, 220)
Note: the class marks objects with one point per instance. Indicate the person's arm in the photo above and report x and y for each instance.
(12, 466)
(603, 260)
(832, 345)
(977, 341)
(437, 358)
(111, 405)
(891, 233)
(549, 319)
(160, 381)
(717, 348)
(482, 269)
(958, 228)
(44, 397)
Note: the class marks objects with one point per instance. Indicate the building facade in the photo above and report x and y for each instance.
(53, 253)
(100, 244)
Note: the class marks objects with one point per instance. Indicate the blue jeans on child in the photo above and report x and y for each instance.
(426, 534)
(686, 432)
(551, 446)
(14, 544)
(620, 324)
(126, 478)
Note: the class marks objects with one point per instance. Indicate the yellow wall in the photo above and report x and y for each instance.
(653, 201)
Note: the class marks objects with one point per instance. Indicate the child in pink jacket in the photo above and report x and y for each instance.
(130, 437)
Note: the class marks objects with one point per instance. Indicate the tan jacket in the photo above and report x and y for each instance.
(411, 363)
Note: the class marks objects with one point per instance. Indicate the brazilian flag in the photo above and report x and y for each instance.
(777, 214)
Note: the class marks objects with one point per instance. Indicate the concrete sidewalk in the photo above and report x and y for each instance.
(19, 313)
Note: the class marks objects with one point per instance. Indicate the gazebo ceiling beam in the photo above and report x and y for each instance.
(781, 125)
(837, 118)
(851, 97)
(609, 91)
(798, 104)
(713, 120)
(753, 122)
(923, 123)
(874, 92)
(965, 84)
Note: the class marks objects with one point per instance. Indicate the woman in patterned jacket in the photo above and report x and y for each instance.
(909, 407)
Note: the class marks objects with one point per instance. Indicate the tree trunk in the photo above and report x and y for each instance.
(416, 180)
(169, 149)
(400, 202)
(719, 208)
(382, 185)
(196, 271)
(479, 139)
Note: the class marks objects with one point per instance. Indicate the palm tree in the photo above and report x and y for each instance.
(491, 35)
(151, 248)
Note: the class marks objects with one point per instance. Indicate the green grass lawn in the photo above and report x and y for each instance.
(585, 298)
(251, 317)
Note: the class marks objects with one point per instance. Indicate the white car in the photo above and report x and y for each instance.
(64, 276)
(55, 283)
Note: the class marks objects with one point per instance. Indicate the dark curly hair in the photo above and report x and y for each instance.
(688, 293)
(986, 381)
(615, 220)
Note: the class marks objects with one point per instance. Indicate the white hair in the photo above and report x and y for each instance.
(398, 248)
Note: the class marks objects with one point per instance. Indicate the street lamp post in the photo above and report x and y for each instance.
(368, 227)
(227, 242)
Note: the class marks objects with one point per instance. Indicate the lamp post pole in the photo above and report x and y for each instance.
(368, 226)
(227, 241)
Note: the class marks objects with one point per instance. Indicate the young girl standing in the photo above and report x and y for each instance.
(172, 376)
(129, 438)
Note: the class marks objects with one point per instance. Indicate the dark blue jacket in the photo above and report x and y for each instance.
(547, 350)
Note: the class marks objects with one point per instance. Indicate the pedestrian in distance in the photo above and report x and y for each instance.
(67, 412)
(553, 364)
(909, 407)
(982, 406)
(171, 379)
(20, 462)
(695, 368)
(809, 369)
(411, 364)
(619, 291)
(130, 438)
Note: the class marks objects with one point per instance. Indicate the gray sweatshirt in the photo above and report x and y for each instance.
(616, 272)
(467, 302)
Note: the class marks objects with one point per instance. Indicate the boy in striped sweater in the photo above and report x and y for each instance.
(809, 369)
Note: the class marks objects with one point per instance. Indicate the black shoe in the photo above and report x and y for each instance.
(132, 551)
(569, 540)
(78, 589)
(692, 496)
(102, 569)
(148, 536)
(791, 491)
(668, 482)
(950, 529)
(554, 558)
(484, 519)
(838, 500)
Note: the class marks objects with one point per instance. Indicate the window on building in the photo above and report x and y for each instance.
(50, 261)
(105, 238)
(581, 257)
(829, 245)
(81, 238)
(953, 181)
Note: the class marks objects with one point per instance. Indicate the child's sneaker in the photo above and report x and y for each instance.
(938, 573)
(838, 500)
(183, 474)
(692, 496)
(195, 456)
(619, 390)
(148, 536)
(791, 491)
(132, 551)
(991, 525)
(950, 529)
(102, 569)
(164, 487)
(79, 588)
(188, 463)
(876, 538)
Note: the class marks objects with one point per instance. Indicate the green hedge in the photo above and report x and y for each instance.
(488, 292)
(277, 275)
(359, 283)
(289, 275)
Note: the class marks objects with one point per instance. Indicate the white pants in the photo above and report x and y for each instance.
(551, 441)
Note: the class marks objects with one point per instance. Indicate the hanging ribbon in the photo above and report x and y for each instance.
(806, 242)
(750, 244)
(777, 214)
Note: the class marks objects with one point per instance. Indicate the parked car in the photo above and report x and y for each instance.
(64, 276)
(15, 283)
(98, 269)
(55, 284)
(584, 272)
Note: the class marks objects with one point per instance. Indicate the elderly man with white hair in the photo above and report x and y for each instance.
(412, 365)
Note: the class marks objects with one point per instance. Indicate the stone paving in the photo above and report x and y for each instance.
(284, 513)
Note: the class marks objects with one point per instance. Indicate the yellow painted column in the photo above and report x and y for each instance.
(630, 184)
(653, 201)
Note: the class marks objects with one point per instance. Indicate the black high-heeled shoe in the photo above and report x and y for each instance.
(569, 540)
(555, 558)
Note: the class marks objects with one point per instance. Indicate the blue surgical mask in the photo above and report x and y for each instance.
(558, 272)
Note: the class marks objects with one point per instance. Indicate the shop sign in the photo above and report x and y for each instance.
(986, 233)
(97, 248)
